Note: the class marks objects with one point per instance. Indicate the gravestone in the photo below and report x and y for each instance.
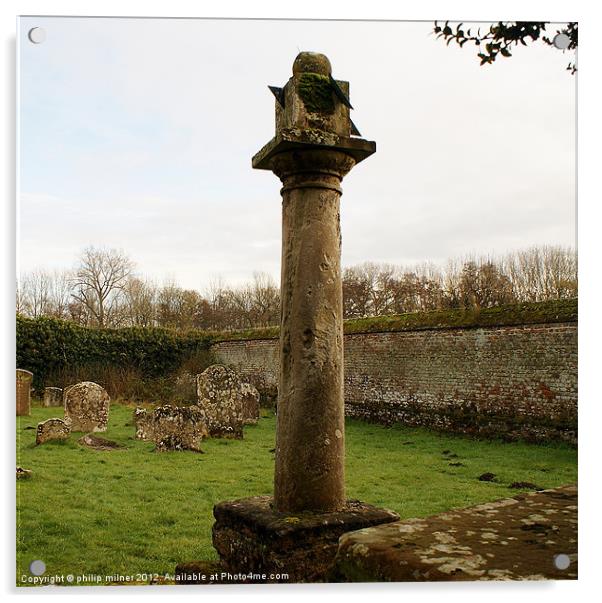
(97, 443)
(171, 427)
(53, 396)
(52, 429)
(250, 403)
(297, 530)
(87, 407)
(24, 473)
(23, 392)
(221, 403)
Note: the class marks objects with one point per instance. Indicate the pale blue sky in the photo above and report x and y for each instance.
(138, 134)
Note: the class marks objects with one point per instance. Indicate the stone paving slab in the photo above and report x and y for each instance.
(516, 538)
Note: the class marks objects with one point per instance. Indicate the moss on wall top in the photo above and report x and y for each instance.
(553, 311)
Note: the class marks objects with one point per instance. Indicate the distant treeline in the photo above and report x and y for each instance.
(104, 291)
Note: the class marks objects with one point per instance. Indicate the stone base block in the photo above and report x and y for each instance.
(528, 537)
(250, 536)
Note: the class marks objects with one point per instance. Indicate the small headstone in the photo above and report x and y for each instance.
(87, 407)
(53, 396)
(250, 403)
(52, 429)
(220, 400)
(171, 427)
(92, 441)
(23, 392)
(23, 473)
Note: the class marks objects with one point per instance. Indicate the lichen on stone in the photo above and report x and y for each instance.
(171, 427)
(52, 429)
(220, 401)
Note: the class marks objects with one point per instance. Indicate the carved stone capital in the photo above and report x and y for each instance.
(311, 168)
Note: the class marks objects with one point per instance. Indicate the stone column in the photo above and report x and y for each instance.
(311, 152)
(297, 531)
(310, 446)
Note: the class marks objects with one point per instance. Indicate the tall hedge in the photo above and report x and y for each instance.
(46, 345)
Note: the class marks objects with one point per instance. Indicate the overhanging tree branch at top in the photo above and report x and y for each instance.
(502, 36)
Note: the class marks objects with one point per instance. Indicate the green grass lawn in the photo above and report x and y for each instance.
(134, 510)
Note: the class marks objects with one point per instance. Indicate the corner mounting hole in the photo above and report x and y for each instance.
(37, 567)
(562, 561)
(561, 41)
(37, 35)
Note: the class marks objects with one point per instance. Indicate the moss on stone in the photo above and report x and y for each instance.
(553, 311)
(316, 93)
(259, 333)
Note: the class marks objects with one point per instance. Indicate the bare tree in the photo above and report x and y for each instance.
(265, 300)
(217, 295)
(36, 288)
(60, 294)
(140, 301)
(99, 281)
(19, 298)
(539, 273)
(357, 293)
(237, 306)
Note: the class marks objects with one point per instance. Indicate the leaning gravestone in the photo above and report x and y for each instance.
(53, 396)
(23, 392)
(250, 403)
(220, 400)
(171, 427)
(52, 429)
(87, 407)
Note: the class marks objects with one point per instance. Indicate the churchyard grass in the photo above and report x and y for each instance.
(136, 511)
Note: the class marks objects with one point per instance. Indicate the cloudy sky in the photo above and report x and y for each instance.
(138, 134)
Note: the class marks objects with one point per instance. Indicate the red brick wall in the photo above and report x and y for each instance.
(512, 381)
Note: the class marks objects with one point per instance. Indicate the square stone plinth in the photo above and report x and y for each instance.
(528, 537)
(250, 536)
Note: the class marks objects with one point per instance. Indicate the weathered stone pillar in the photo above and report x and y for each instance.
(297, 531)
(310, 445)
(311, 153)
(24, 379)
